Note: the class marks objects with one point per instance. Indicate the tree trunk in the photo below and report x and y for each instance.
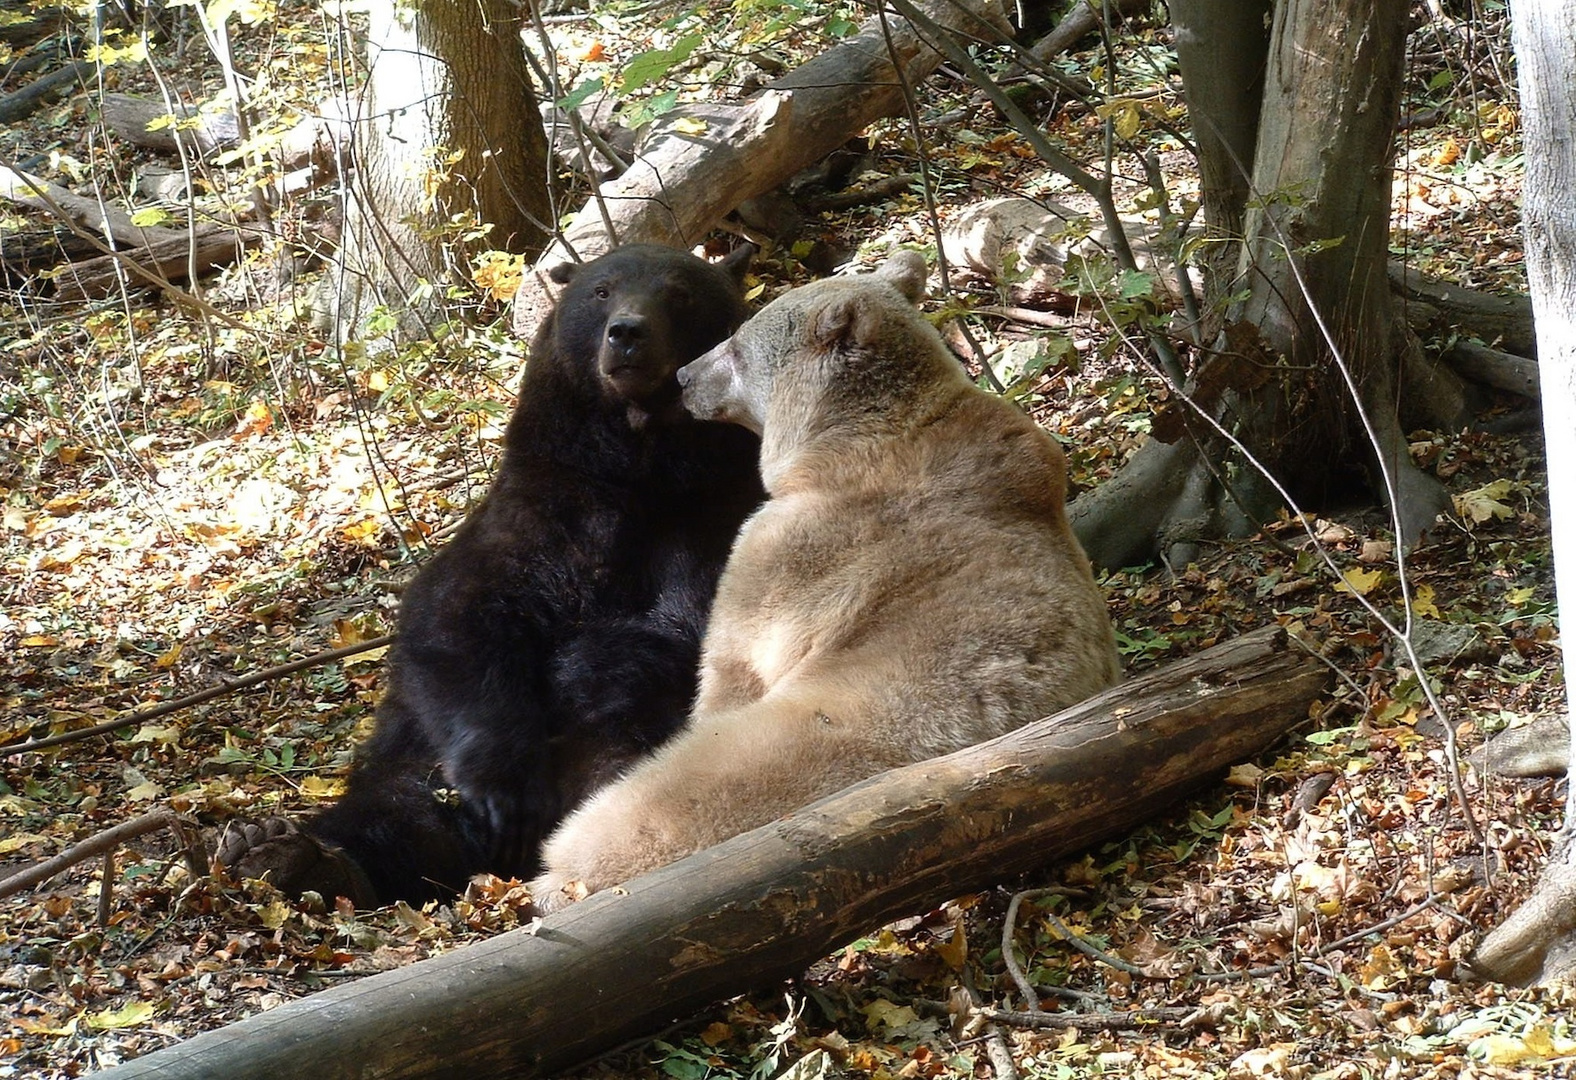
(1312, 266)
(1537, 944)
(450, 137)
(1222, 47)
(767, 904)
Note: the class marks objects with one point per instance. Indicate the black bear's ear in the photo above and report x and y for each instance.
(844, 319)
(563, 273)
(738, 261)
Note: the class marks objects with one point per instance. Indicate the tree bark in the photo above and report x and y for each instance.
(1537, 944)
(1222, 47)
(684, 181)
(765, 905)
(451, 137)
(42, 90)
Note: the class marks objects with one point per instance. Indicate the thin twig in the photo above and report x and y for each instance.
(1100, 1021)
(1009, 930)
(1083, 946)
(103, 843)
(226, 686)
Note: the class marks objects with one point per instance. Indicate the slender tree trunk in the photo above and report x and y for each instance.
(1222, 48)
(1312, 267)
(1537, 944)
(449, 137)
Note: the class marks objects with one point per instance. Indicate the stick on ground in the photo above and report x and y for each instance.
(227, 686)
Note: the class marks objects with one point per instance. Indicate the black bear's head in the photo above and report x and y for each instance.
(641, 312)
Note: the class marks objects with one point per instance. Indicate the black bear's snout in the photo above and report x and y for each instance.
(626, 333)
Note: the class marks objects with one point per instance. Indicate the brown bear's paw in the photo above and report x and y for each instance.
(295, 862)
(553, 892)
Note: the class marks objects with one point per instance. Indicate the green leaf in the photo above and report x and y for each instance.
(647, 67)
(579, 94)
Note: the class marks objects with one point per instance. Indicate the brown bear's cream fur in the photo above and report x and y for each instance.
(911, 586)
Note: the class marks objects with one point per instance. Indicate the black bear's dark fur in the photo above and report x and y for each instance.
(556, 638)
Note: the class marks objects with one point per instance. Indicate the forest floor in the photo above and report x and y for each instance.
(189, 499)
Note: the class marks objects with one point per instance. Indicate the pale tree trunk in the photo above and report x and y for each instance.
(448, 132)
(1312, 261)
(1537, 944)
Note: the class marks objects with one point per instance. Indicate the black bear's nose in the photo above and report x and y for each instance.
(626, 332)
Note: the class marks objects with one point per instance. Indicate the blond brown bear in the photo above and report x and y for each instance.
(910, 587)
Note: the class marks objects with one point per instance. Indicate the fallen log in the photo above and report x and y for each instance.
(24, 189)
(703, 160)
(1502, 321)
(767, 904)
(42, 90)
(165, 255)
(1492, 367)
(168, 259)
(200, 131)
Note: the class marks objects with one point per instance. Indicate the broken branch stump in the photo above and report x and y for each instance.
(765, 905)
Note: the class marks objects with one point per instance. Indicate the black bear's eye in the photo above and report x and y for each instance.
(603, 292)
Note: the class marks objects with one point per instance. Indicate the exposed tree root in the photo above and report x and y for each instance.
(1537, 944)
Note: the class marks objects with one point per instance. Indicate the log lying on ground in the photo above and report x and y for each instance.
(42, 90)
(1505, 321)
(1491, 367)
(767, 904)
(202, 132)
(163, 254)
(166, 260)
(702, 161)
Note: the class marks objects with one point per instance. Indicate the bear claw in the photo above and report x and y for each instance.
(276, 849)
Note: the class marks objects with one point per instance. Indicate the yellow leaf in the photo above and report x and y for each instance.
(882, 1013)
(274, 914)
(168, 658)
(45, 1027)
(689, 125)
(1246, 775)
(323, 787)
(1481, 504)
(1423, 602)
(1539, 1044)
(365, 531)
(1361, 582)
(39, 641)
(20, 841)
(1513, 597)
(128, 1015)
(953, 953)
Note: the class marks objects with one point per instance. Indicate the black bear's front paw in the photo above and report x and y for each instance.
(294, 861)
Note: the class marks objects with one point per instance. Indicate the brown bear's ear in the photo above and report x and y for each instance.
(905, 270)
(563, 273)
(738, 261)
(844, 319)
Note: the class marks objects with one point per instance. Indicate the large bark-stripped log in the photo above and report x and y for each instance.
(703, 160)
(767, 904)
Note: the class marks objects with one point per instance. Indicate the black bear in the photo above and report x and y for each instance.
(555, 640)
